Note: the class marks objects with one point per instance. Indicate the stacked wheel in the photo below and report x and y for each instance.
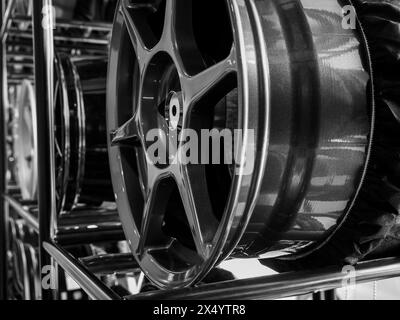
(82, 174)
(24, 260)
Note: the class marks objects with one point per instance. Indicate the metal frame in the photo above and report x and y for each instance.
(53, 238)
(43, 82)
(3, 187)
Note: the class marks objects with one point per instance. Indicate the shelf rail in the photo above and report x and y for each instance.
(282, 285)
(23, 212)
(93, 287)
(3, 161)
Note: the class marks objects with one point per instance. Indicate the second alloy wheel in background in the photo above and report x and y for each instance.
(82, 170)
(81, 156)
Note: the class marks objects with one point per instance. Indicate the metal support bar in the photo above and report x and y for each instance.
(71, 24)
(16, 55)
(43, 53)
(20, 64)
(3, 170)
(111, 264)
(282, 285)
(69, 236)
(66, 46)
(74, 229)
(88, 227)
(23, 212)
(26, 35)
(6, 19)
(95, 289)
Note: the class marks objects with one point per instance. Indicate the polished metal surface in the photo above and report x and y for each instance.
(177, 244)
(60, 38)
(281, 286)
(284, 72)
(111, 264)
(3, 166)
(22, 244)
(321, 126)
(70, 24)
(24, 212)
(25, 142)
(81, 140)
(88, 226)
(6, 19)
(26, 260)
(86, 280)
(44, 79)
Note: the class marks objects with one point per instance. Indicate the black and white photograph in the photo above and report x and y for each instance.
(199, 150)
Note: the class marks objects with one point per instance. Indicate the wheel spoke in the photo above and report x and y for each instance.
(132, 26)
(199, 85)
(194, 193)
(58, 148)
(56, 92)
(178, 36)
(156, 202)
(126, 135)
(28, 120)
(144, 231)
(170, 20)
(142, 171)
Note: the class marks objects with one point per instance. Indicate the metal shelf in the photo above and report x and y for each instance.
(24, 212)
(282, 285)
(95, 289)
(69, 24)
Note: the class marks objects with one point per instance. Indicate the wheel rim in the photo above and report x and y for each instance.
(80, 133)
(170, 67)
(25, 142)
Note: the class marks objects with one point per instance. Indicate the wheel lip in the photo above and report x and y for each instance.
(81, 120)
(237, 214)
(254, 182)
(64, 101)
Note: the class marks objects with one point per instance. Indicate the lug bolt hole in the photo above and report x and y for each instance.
(174, 111)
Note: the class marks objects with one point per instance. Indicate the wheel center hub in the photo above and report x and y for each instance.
(173, 110)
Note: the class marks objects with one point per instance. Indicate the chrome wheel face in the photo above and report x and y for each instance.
(170, 71)
(25, 142)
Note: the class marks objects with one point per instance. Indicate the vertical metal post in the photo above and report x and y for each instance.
(44, 57)
(3, 169)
